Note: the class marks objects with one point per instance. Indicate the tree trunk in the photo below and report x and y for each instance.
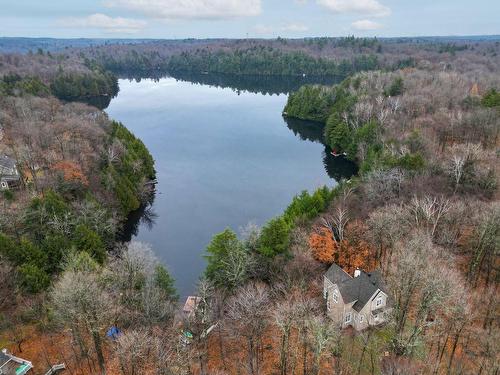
(443, 348)
(221, 349)
(304, 357)
(363, 352)
(251, 355)
(454, 348)
(284, 353)
(98, 349)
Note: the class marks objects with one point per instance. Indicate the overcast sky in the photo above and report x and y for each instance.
(242, 18)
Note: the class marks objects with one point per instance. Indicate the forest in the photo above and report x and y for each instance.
(43, 74)
(311, 56)
(420, 119)
(81, 173)
(267, 61)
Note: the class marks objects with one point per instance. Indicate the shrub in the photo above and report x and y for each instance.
(491, 99)
(396, 88)
(32, 279)
(89, 241)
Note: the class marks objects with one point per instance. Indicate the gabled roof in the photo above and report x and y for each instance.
(7, 162)
(355, 289)
(337, 275)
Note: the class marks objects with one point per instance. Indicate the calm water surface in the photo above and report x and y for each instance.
(224, 158)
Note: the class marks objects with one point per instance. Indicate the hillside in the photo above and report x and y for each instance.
(419, 223)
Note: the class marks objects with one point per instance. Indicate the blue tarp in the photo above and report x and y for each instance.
(113, 333)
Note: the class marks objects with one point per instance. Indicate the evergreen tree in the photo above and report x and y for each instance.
(274, 238)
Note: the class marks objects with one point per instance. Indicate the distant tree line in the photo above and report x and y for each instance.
(267, 61)
(71, 86)
(65, 85)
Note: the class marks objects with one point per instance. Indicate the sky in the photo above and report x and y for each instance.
(246, 18)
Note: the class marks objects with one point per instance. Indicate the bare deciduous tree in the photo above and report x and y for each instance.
(247, 317)
(80, 301)
(427, 212)
(132, 349)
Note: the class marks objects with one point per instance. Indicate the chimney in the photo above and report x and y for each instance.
(357, 272)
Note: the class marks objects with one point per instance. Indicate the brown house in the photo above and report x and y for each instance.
(360, 301)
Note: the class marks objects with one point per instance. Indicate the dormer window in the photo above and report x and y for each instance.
(378, 302)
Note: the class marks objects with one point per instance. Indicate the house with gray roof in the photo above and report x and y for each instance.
(359, 301)
(12, 365)
(9, 174)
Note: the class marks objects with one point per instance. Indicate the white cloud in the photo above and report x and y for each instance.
(365, 25)
(368, 7)
(106, 23)
(191, 9)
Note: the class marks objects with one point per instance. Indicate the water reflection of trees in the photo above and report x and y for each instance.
(145, 215)
(266, 85)
(338, 167)
(306, 130)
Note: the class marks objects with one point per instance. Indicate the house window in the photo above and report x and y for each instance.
(4, 185)
(328, 305)
(361, 318)
(325, 293)
(379, 301)
(347, 318)
(335, 297)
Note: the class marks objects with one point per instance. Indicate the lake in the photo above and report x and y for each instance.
(224, 157)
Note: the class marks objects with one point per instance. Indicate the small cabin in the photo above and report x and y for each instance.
(191, 305)
(9, 174)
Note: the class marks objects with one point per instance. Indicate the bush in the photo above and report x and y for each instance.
(491, 99)
(85, 239)
(396, 88)
(32, 279)
(8, 195)
(410, 162)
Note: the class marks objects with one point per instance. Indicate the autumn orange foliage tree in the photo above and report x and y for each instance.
(323, 245)
(71, 171)
(351, 253)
